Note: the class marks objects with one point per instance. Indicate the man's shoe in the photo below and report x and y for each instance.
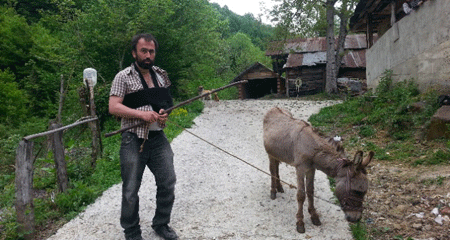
(166, 232)
(139, 237)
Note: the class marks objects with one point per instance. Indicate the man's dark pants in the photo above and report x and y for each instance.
(157, 155)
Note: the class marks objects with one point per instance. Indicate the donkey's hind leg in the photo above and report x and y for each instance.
(310, 193)
(274, 172)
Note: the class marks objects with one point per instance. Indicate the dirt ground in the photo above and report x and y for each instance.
(401, 200)
(405, 201)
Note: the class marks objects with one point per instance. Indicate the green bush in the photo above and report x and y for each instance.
(388, 110)
(75, 198)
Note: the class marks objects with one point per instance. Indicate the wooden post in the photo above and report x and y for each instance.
(24, 189)
(94, 127)
(287, 86)
(278, 86)
(393, 20)
(369, 31)
(241, 90)
(61, 100)
(83, 102)
(58, 153)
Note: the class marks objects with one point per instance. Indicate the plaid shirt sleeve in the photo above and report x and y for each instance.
(118, 87)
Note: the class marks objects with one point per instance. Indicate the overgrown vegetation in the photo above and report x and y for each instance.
(392, 122)
(389, 112)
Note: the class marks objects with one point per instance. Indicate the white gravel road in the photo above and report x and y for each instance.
(218, 196)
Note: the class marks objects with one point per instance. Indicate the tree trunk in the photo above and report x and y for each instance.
(340, 51)
(330, 83)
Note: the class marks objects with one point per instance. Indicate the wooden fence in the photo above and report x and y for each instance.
(24, 173)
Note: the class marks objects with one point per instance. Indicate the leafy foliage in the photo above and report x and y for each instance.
(14, 101)
(247, 24)
(16, 40)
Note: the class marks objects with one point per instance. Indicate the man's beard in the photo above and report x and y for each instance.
(145, 63)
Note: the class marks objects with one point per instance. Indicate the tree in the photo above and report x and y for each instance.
(15, 42)
(258, 32)
(243, 53)
(305, 18)
(13, 108)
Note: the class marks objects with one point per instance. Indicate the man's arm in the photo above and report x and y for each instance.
(118, 109)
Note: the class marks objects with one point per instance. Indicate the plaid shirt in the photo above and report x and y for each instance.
(128, 81)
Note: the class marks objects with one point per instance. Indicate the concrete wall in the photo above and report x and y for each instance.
(417, 46)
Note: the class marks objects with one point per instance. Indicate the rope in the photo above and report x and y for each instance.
(251, 165)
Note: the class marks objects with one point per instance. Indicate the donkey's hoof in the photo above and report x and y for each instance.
(316, 221)
(280, 189)
(273, 195)
(301, 228)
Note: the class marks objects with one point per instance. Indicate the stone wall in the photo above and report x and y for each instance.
(416, 47)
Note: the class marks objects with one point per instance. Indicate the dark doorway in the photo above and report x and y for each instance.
(257, 88)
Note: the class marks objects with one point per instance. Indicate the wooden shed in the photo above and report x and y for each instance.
(304, 62)
(261, 81)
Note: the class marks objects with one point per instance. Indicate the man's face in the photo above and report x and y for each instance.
(145, 53)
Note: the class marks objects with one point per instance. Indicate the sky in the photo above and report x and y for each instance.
(241, 7)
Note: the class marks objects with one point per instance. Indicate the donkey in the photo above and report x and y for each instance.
(294, 142)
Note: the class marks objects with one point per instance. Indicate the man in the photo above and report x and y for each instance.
(131, 99)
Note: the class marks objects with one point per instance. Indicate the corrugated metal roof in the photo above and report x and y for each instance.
(305, 59)
(311, 45)
(353, 59)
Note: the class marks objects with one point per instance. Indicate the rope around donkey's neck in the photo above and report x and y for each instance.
(246, 162)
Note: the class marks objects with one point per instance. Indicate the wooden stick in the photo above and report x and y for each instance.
(27, 138)
(176, 106)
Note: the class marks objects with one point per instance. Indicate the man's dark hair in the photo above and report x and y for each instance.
(147, 36)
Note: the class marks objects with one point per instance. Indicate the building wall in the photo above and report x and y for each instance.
(417, 46)
(313, 79)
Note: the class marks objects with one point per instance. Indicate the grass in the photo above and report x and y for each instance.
(85, 183)
(385, 122)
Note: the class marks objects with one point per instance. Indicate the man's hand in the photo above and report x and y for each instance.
(149, 116)
(162, 118)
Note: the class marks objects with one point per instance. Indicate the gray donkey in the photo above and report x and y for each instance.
(294, 142)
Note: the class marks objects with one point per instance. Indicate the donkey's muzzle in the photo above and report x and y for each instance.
(353, 216)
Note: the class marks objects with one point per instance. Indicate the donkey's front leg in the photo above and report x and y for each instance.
(310, 192)
(300, 200)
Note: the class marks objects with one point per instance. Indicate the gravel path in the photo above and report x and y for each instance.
(218, 196)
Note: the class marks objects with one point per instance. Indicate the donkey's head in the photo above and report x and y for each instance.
(352, 185)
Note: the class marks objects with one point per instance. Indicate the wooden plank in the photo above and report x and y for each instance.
(24, 189)
(27, 138)
(260, 75)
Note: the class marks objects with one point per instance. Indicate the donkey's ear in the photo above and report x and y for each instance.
(368, 159)
(358, 158)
